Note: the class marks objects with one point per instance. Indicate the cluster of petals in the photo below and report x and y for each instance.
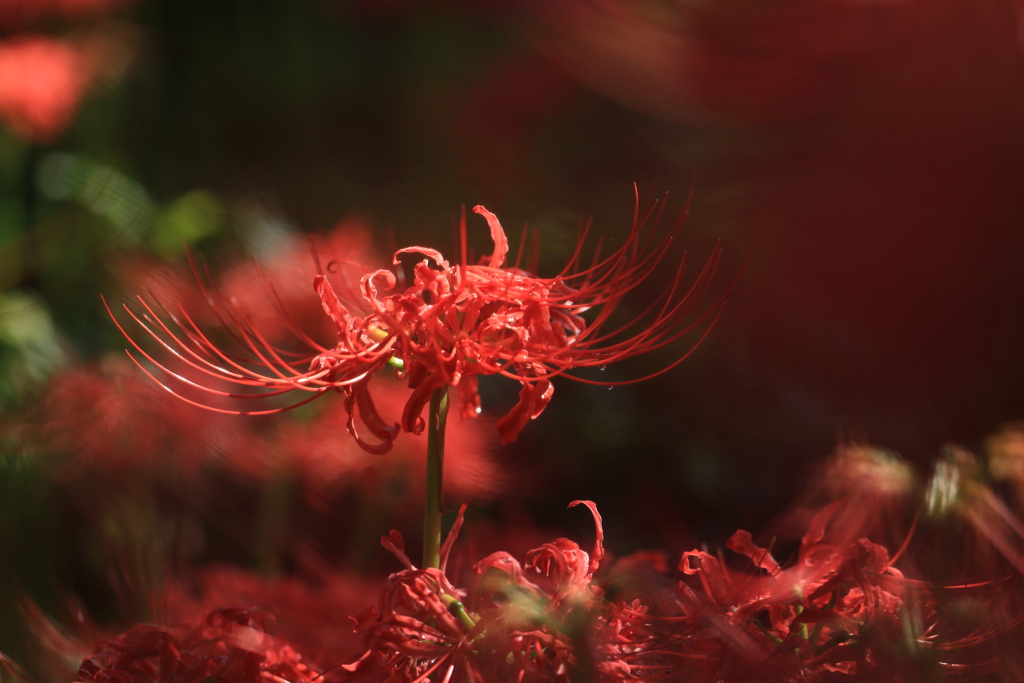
(230, 645)
(311, 606)
(812, 620)
(106, 419)
(839, 610)
(516, 621)
(452, 324)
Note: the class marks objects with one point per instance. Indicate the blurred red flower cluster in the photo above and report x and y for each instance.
(227, 645)
(836, 611)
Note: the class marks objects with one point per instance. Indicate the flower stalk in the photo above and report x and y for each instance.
(435, 472)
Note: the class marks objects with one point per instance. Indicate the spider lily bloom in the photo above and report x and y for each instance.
(452, 324)
(310, 610)
(823, 612)
(230, 644)
(107, 419)
(537, 621)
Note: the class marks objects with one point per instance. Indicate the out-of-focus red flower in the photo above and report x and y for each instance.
(110, 419)
(802, 622)
(452, 324)
(958, 488)
(873, 490)
(310, 613)
(1005, 451)
(41, 82)
(227, 646)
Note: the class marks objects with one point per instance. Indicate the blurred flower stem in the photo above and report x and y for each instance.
(435, 470)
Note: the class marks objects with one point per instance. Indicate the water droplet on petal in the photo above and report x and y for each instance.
(603, 368)
(610, 388)
(478, 410)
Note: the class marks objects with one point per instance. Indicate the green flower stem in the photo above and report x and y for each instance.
(458, 610)
(435, 470)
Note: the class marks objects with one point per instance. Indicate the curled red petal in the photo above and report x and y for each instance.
(707, 568)
(370, 660)
(468, 394)
(365, 616)
(497, 234)
(430, 253)
(396, 545)
(331, 303)
(533, 398)
(368, 412)
(742, 543)
(598, 554)
(453, 534)
(350, 407)
(816, 527)
(411, 420)
(370, 289)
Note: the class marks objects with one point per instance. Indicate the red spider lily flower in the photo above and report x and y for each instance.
(561, 569)
(107, 419)
(310, 611)
(413, 632)
(822, 612)
(538, 621)
(452, 324)
(228, 646)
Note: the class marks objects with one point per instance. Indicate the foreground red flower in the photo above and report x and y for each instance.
(543, 620)
(836, 610)
(227, 646)
(452, 324)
